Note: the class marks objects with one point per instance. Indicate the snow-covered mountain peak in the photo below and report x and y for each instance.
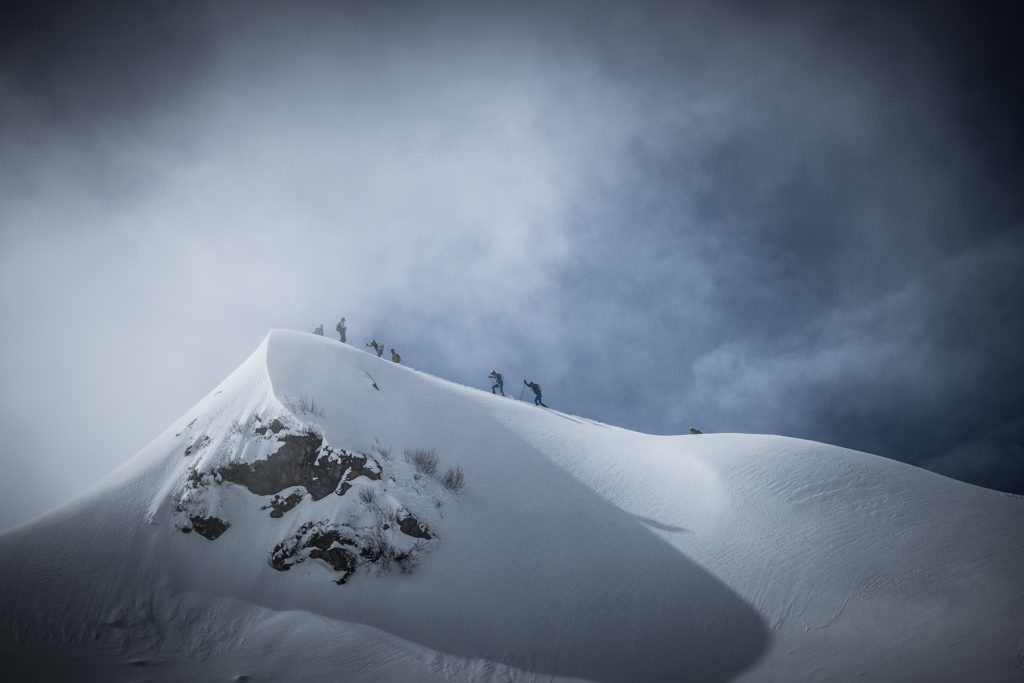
(297, 519)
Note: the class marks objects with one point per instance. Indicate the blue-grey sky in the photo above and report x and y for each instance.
(800, 218)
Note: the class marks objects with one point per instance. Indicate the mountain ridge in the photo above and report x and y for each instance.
(577, 550)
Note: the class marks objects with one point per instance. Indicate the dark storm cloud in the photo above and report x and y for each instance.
(801, 218)
(836, 255)
(994, 460)
(103, 60)
(70, 73)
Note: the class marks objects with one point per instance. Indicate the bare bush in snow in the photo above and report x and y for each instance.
(425, 461)
(367, 495)
(387, 515)
(407, 561)
(307, 406)
(453, 479)
(378, 549)
(382, 451)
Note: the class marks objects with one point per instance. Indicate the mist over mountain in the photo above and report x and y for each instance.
(801, 219)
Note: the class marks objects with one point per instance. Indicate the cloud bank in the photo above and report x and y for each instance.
(801, 220)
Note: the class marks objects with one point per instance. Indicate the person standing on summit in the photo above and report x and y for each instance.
(536, 392)
(341, 330)
(499, 382)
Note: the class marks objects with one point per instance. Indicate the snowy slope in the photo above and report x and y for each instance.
(577, 550)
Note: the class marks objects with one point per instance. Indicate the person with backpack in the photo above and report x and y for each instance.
(341, 330)
(395, 358)
(536, 392)
(379, 348)
(499, 382)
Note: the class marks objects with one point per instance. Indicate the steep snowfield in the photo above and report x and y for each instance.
(576, 551)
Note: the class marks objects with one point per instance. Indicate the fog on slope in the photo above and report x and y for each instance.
(709, 214)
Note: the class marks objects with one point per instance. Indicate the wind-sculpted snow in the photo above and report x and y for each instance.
(576, 550)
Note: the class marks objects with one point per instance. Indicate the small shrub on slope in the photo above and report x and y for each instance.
(453, 479)
(307, 406)
(425, 461)
(367, 495)
(384, 452)
(378, 550)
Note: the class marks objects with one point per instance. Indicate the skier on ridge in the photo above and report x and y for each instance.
(499, 382)
(395, 358)
(341, 330)
(536, 392)
(379, 348)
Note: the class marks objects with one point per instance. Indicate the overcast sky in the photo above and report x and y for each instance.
(793, 218)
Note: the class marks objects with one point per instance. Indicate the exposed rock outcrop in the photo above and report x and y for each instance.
(345, 549)
(334, 544)
(279, 506)
(304, 459)
(208, 527)
(410, 526)
(194, 511)
(290, 463)
(275, 426)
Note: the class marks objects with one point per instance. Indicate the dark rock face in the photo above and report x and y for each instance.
(281, 505)
(303, 460)
(208, 527)
(410, 526)
(275, 426)
(356, 534)
(328, 542)
(193, 479)
(340, 559)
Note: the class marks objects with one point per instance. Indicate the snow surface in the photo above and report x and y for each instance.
(577, 551)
